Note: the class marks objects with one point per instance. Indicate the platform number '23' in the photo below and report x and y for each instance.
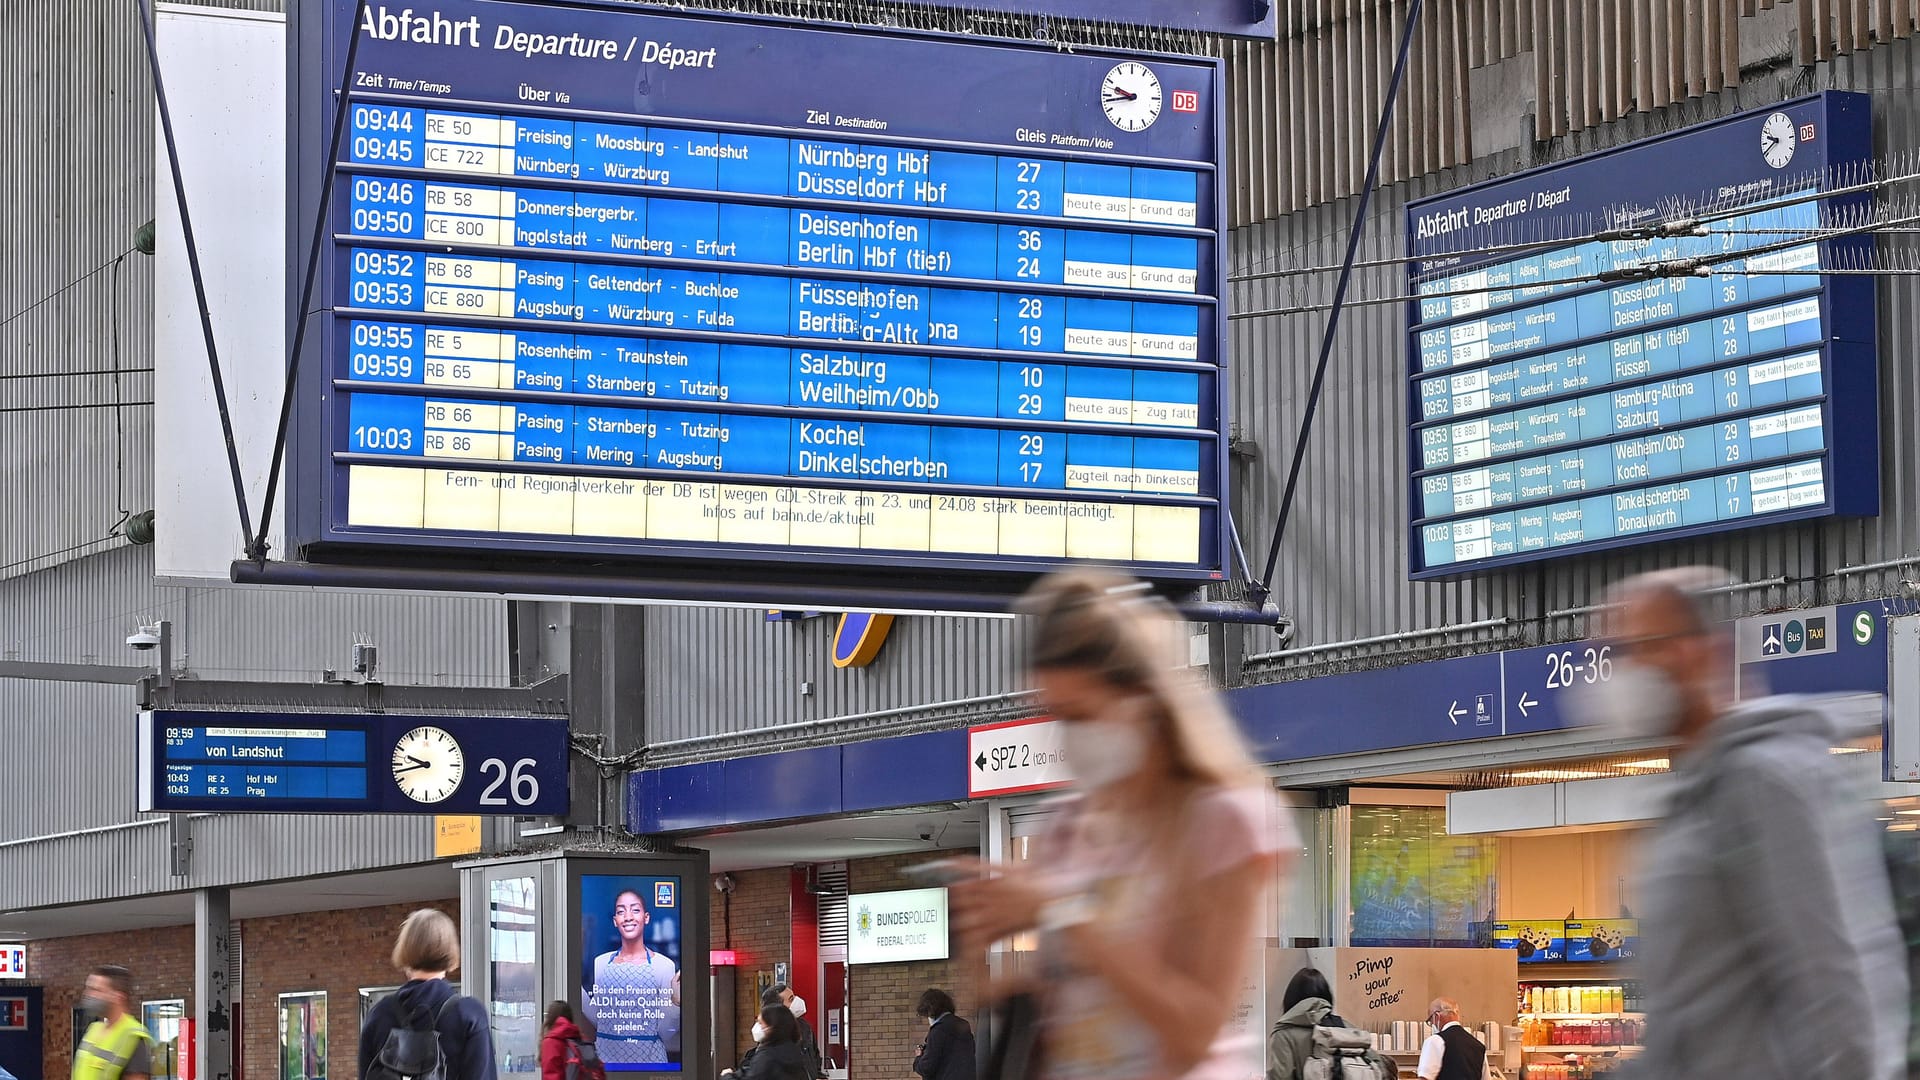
(1567, 666)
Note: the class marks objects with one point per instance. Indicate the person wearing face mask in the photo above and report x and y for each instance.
(947, 1053)
(1147, 906)
(1769, 947)
(782, 994)
(116, 1046)
(776, 1054)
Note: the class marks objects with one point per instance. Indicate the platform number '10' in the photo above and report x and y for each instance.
(522, 787)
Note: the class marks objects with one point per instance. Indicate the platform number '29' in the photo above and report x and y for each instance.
(522, 787)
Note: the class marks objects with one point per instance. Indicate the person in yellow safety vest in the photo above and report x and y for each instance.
(116, 1047)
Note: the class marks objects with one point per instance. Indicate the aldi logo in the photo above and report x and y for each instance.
(13, 1014)
(1186, 101)
(663, 894)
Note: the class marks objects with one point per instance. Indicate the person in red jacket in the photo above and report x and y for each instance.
(560, 1032)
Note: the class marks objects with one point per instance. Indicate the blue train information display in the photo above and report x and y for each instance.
(607, 282)
(352, 764)
(1563, 401)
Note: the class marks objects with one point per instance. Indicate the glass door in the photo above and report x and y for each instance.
(834, 1038)
(303, 1036)
(162, 1020)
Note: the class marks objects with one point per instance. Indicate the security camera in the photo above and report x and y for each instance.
(723, 882)
(143, 640)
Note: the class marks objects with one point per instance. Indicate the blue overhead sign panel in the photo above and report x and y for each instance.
(700, 290)
(1561, 403)
(371, 763)
(1240, 18)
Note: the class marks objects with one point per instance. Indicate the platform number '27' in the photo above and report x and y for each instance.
(1593, 665)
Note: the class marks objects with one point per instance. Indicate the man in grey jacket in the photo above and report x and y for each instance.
(1769, 947)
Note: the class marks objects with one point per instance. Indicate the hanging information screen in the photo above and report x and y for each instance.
(611, 282)
(1554, 410)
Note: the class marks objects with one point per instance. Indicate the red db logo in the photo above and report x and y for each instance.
(1186, 101)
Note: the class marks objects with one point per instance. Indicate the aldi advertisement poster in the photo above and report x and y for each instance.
(1538, 941)
(630, 929)
(1602, 941)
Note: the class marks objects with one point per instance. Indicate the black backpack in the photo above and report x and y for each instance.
(412, 1051)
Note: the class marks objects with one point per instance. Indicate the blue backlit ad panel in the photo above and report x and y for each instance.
(694, 288)
(1558, 403)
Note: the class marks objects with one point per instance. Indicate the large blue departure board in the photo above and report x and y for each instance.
(612, 282)
(1560, 402)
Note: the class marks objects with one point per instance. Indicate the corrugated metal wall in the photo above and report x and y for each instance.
(718, 670)
(76, 172)
(80, 737)
(1305, 106)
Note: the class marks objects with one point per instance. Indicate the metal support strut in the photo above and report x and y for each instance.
(1260, 590)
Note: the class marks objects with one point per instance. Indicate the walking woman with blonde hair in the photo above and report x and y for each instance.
(1157, 870)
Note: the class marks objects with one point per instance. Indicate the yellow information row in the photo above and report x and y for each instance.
(381, 496)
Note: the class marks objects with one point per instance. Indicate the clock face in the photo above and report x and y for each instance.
(428, 765)
(1776, 140)
(1130, 96)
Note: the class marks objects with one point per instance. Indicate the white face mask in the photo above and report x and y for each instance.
(1638, 702)
(799, 1007)
(759, 1032)
(1104, 752)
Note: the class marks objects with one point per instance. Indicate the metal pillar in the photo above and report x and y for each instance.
(608, 700)
(212, 990)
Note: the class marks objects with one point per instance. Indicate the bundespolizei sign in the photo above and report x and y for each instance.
(1553, 413)
(895, 927)
(359, 763)
(696, 290)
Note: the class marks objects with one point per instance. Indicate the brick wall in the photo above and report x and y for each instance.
(335, 951)
(883, 996)
(161, 961)
(762, 936)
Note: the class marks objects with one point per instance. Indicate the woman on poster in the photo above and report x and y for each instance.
(633, 990)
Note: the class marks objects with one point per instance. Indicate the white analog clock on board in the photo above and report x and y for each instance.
(1776, 140)
(428, 764)
(1130, 95)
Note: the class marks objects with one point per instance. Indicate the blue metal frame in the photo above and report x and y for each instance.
(315, 482)
(1700, 166)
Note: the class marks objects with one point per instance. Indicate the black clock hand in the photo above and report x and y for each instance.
(1122, 95)
(417, 764)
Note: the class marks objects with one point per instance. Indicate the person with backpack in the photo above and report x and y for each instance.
(425, 1030)
(566, 1051)
(1309, 1041)
(1770, 949)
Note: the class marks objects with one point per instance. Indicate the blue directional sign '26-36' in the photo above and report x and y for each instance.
(693, 288)
(352, 763)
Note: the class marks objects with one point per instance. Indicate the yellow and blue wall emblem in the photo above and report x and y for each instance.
(859, 637)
